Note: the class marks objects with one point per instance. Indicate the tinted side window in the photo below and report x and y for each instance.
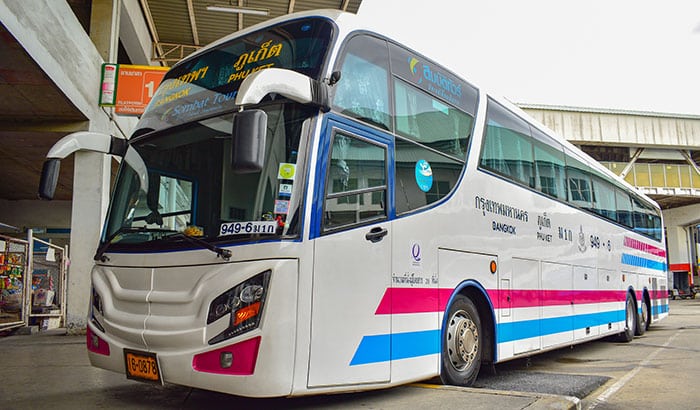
(604, 198)
(422, 175)
(507, 146)
(624, 208)
(646, 219)
(356, 190)
(363, 89)
(550, 170)
(431, 122)
(579, 184)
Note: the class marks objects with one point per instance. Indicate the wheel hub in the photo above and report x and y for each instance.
(462, 340)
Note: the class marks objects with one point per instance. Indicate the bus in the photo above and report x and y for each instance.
(307, 206)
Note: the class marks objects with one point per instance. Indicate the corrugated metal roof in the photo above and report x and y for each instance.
(187, 24)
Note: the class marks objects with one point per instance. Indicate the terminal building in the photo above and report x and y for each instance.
(51, 54)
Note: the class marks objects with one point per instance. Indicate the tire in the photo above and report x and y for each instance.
(627, 335)
(643, 318)
(462, 343)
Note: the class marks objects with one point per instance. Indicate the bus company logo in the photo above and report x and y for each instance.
(415, 252)
(413, 68)
(581, 240)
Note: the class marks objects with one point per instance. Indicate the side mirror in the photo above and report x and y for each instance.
(248, 147)
(49, 178)
(87, 141)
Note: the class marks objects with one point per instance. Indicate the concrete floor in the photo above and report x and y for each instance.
(51, 370)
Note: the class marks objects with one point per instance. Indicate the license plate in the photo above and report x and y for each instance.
(141, 366)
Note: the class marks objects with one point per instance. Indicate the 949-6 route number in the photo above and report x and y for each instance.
(247, 228)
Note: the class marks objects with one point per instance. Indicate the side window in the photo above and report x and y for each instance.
(646, 219)
(356, 187)
(422, 175)
(430, 121)
(550, 170)
(604, 198)
(579, 184)
(624, 208)
(363, 89)
(507, 146)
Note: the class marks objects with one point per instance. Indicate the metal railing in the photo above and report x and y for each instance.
(656, 175)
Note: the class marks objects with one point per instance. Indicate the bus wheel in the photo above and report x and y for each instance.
(642, 319)
(461, 344)
(630, 321)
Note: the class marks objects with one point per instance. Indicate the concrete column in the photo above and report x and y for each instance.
(678, 250)
(104, 28)
(90, 198)
(677, 222)
(90, 182)
(53, 36)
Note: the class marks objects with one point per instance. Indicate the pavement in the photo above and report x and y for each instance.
(51, 369)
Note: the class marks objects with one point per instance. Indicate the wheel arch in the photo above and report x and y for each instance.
(478, 294)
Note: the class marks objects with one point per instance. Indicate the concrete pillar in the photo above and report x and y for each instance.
(678, 248)
(50, 33)
(678, 222)
(90, 198)
(90, 182)
(104, 28)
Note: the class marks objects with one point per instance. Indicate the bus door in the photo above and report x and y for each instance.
(350, 339)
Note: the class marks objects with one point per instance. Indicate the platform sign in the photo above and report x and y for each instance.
(129, 88)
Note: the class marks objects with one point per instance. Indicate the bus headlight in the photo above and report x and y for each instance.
(244, 303)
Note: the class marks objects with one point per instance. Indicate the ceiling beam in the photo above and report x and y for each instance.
(152, 29)
(58, 126)
(193, 23)
(240, 16)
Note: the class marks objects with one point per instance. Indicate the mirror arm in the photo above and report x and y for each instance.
(290, 84)
(88, 141)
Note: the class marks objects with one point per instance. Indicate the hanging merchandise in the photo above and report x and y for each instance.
(12, 269)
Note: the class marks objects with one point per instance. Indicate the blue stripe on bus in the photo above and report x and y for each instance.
(633, 260)
(509, 332)
(655, 310)
(385, 347)
(382, 348)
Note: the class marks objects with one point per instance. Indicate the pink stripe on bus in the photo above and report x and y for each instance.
(411, 300)
(425, 300)
(641, 246)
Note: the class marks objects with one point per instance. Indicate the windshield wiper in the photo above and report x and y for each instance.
(100, 253)
(224, 254)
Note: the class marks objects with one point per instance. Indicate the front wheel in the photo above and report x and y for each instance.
(462, 343)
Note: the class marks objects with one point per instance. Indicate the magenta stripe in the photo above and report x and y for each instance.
(423, 300)
(531, 298)
(641, 246)
(412, 300)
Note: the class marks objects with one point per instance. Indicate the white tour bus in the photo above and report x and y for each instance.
(309, 207)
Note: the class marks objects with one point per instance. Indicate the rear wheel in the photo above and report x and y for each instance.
(642, 318)
(462, 344)
(630, 321)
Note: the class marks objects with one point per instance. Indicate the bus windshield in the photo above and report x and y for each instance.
(207, 84)
(193, 189)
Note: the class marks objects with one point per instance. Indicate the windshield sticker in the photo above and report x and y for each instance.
(247, 228)
(265, 52)
(285, 190)
(179, 87)
(424, 175)
(281, 207)
(287, 171)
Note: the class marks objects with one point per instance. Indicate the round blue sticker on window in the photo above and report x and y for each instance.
(424, 175)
